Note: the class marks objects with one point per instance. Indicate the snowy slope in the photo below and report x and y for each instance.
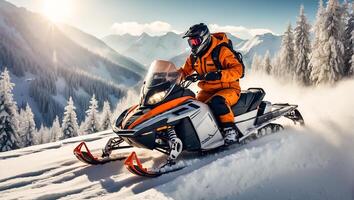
(315, 162)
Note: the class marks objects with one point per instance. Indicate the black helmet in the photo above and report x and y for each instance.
(199, 38)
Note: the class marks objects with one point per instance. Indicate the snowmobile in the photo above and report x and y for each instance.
(170, 120)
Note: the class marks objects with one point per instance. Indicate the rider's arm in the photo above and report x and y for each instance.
(186, 69)
(232, 67)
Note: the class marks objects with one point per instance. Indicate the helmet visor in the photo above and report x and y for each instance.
(194, 42)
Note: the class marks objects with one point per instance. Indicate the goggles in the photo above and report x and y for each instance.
(194, 42)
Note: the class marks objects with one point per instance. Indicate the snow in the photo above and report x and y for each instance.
(312, 162)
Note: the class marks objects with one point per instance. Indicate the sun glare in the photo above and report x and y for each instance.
(57, 10)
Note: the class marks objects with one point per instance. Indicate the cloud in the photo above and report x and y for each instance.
(135, 28)
(239, 31)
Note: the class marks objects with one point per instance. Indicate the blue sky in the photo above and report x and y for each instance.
(98, 16)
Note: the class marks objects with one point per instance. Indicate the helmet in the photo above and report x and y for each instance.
(199, 38)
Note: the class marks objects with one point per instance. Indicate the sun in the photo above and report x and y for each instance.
(57, 10)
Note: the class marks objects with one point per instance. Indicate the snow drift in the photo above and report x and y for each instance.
(314, 162)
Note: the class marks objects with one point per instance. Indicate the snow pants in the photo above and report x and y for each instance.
(220, 102)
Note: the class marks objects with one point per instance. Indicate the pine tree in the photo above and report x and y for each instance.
(276, 63)
(106, 116)
(287, 59)
(29, 127)
(43, 135)
(316, 45)
(91, 122)
(302, 49)
(69, 125)
(327, 58)
(22, 126)
(9, 138)
(56, 132)
(348, 42)
(256, 63)
(266, 63)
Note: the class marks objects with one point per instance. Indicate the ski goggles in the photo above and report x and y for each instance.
(194, 42)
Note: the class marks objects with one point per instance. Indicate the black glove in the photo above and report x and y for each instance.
(212, 76)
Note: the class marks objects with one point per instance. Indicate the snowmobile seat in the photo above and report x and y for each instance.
(249, 100)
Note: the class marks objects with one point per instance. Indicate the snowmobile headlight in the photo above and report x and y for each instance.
(157, 97)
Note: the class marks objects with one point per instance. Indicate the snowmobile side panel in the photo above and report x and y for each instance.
(243, 122)
(188, 135)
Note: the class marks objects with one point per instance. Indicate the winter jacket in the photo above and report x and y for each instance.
(231, 68)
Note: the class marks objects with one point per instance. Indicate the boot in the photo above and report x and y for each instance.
(231, 135)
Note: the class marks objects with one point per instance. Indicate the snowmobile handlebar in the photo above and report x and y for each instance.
(190, 79)
(193, 78)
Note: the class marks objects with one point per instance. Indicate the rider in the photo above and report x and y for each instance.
(220, 89)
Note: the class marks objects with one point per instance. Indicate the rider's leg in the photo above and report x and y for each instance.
(221, 103)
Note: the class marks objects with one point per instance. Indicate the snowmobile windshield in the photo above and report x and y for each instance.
(160, 80)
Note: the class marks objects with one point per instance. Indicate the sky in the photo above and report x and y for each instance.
(103, 17)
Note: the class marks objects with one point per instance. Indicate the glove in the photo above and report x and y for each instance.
(212, 76)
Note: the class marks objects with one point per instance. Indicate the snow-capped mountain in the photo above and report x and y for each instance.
(97, 46)
(260, 44)
(146, 48)
(47, 66)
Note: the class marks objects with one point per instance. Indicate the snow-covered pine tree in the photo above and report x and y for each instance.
(106, 116)
(267, 67)
(9, 138)
(43, 135)
(327, 58)
(315, 48)
(22, 126)
(69, 125)
(348, 42)
(256, 63)
(29, 127)
(287, 56)
(276, 63)
(56, 132)
(92, 121)
(302, 49)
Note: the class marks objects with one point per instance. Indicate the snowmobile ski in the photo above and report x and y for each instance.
(133, 164)
(87, 157)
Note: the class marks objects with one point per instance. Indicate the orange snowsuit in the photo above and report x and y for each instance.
(228, 87)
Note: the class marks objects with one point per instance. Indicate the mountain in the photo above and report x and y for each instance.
(99, 47)
(146, 48)
(47, 66)
(258, 44)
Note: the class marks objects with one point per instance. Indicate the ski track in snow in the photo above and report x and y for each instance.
(312, 162)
